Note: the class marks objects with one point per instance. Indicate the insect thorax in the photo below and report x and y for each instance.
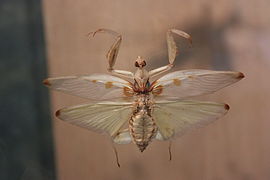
(141, 81)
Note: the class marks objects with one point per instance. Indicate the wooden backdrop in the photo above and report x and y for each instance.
(227, 35)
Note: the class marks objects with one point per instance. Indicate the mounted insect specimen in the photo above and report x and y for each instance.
(132, 107)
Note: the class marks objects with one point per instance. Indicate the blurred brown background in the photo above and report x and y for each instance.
(227, 35)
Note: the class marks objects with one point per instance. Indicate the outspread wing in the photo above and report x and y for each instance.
(101, 117)
(175, 118)
(95, 87)
(188, 83)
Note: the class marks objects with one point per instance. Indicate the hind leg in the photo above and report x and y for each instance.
(122, 137)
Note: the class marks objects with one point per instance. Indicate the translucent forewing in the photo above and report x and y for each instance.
(96, 87)
(188, 83)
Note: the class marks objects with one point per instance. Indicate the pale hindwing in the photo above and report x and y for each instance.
(175, 118)
(95, 87)
(105, 117)
(188, 83)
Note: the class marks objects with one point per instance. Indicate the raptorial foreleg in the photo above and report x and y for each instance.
(172, 51)
(172, 48)
(113, 52)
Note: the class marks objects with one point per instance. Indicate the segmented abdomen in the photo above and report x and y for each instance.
(142, 128)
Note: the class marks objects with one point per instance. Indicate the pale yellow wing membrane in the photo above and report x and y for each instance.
(95, 87)
(102, 117)
(188, 83)
(176, 118)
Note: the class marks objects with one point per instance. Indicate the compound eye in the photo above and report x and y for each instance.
(137, 64)
(144, 63)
